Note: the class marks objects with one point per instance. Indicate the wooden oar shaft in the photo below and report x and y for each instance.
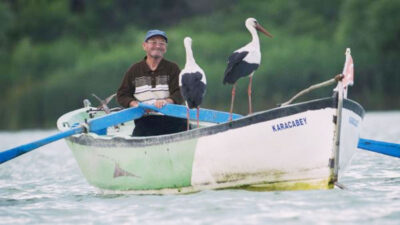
(17, 151)
(180, 111)
(91, 126)
(115, 118)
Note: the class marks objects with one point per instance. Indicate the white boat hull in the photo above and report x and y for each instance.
(286, 148)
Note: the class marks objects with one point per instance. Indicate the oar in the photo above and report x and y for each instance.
(91, 126)
(386, 148)
(206, 115)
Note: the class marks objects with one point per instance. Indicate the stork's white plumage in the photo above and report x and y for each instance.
(244, 61)
(192, 81)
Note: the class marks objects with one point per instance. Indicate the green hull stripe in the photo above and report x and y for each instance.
(143, 168)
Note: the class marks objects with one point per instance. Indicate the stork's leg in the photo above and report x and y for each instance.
(249, 93)
(232, 100)
(197, 115)
(188, 117)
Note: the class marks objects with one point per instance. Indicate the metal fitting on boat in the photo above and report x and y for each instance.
(85, 127)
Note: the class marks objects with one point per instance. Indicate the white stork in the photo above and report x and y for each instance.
(192, 81)
(244, 61)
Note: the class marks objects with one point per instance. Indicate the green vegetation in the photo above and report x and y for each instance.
(55, 53)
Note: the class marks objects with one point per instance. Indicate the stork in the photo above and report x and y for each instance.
(192, 81)
(244, 61)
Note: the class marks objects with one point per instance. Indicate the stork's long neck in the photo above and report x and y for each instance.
(255, 40)
(189, 54)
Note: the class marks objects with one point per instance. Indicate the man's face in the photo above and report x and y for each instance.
(155, 47)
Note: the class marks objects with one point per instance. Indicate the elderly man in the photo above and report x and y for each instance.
(154, 80)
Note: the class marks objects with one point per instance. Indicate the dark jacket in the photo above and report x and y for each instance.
(142, 84)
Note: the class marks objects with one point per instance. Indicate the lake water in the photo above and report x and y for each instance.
(46, 186)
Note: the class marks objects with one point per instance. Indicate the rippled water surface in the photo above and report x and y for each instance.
(46, 186)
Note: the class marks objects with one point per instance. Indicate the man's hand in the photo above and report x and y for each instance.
(133, 103)
(160, 103)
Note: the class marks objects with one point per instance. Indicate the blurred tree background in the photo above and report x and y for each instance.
(55, 53)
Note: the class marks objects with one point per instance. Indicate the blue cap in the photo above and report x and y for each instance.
(152, 33)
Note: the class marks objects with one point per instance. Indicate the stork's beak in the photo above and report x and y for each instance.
(262, 29)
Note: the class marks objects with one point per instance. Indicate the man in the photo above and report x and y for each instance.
(153, 80)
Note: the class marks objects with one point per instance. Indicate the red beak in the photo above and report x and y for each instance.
(262, 29)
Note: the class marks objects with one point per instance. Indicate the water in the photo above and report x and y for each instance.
(46, 187)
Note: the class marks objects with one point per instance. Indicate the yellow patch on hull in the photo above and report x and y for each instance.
(289, 186)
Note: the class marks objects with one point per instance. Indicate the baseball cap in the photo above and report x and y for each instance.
(152, 33)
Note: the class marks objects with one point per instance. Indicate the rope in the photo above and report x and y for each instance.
(313, 87)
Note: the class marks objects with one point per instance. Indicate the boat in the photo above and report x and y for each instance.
(295, 146)
(301, 146)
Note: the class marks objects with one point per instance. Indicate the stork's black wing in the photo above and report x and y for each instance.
(238, 68)
(193, 89)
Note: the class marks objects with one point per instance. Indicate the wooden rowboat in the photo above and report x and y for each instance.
(300, 146)
(296, 147)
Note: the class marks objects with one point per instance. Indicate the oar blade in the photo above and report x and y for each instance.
(386, 148)
(19, 150)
